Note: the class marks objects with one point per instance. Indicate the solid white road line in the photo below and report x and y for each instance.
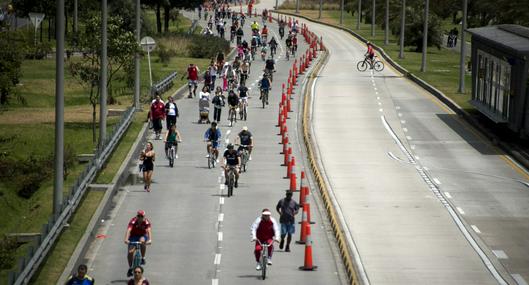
(519, 279)
(221, 200)
(214, 281)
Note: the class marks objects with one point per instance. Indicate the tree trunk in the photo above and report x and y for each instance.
(3, 96)
(158, 19)
(49, 29)
(166, 14)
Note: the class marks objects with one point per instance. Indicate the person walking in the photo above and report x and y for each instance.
(287, 209)
(218, 103)
(80, 278)
(148, 157)
(171, 112)
(157, 115)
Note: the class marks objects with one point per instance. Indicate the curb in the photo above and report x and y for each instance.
(511, 150)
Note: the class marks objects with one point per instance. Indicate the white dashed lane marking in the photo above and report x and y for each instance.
(217, 258)
(448, 195)
(437, 181)
(220, 236)
(460, 211)
(221, 216)
(475, 228)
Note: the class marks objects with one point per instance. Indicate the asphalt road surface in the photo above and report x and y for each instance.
(200, 236)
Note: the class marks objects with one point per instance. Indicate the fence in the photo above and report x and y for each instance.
(50, 232)
(163, 85)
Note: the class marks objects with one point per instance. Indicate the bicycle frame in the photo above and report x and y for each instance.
(136, 258)
(264, 257)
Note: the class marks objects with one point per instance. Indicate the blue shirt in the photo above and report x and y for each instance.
(74, 280)
(265, 83)
(210, 136)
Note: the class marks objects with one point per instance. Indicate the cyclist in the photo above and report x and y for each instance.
(157, 115)
(245, 70)
(240, 34)
(264, 34)
(265, 86)
(288, 43)
(233, 31)
(243, 17)
(265, 15)
(172, 137)
(192, 76)
(244, 44)
(282, 25)
(232, 160)
(81, 278)
(138, 230)
(294, 44)
(370, 53)
(254, 44)
(236, 65)
(233, 102)
(264, 50)
(273, 46)
(243, 95)
(266, 230)
(245, 138)
(255, 27)
(171, 112)
(212, 137)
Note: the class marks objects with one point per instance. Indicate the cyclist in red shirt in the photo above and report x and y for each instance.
(370, 53)
(192, 77)
(266, 229)
(139, 229)
(295, 43)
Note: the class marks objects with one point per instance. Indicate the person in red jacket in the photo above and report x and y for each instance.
(192, 77)
(157, 115)
(266, 230)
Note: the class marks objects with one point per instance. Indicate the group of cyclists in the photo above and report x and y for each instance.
(234, 77)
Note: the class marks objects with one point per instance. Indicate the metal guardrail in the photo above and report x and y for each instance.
(29, 264)
(163, 85)
(193, 27)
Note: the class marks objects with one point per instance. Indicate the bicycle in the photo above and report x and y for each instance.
(232, 116)
(230, 177)
(288, 53)
(264, 257)
(212, 157)
(243, 109)
(245, 157)
(264, 96)
(171, 155)
(136, 258)
(269, 73)
(375, 64)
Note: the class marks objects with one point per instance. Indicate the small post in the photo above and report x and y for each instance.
(402, 29)
(103, 77)
(359, 11)
(386, 28)
(425, 35)
(463, 49)
(373, 19)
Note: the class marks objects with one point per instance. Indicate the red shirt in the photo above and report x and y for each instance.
(139, 229)
(157, 110)
(370, 50)
(295, 40)
(192, 73)
(265, 230)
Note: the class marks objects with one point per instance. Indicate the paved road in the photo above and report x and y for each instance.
(423, 194)
(201, 236)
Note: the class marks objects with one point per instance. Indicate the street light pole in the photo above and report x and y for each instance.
(425, 35)
(103, 77)
(59, 110)
(402, 29)
(321, 9)
(75, 16)
(463, 49)
(373, 20)
(137, 85)
(359, 10)
(386, 30)
(297, 6)
(341, 11)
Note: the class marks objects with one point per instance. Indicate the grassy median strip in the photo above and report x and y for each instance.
(442, 64)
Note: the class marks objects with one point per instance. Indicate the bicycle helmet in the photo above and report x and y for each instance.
(230, 146)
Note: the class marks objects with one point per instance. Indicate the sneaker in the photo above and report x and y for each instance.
(217, 161)
(281, 243)
(176, 156)
(250, 158)
(148, 189)
(143, 261)
(226, 183)
(257, 267)
(287, 249)
(207, 156)
(129, 272)
(236, 184)
(269, 261)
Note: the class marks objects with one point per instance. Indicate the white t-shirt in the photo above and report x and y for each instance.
(212, 71)
(172, 109)
(204, 95)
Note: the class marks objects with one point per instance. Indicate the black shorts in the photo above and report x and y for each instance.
(157, 124)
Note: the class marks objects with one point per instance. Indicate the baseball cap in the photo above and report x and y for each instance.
(141, 213)
(266, 212)
(245, 128)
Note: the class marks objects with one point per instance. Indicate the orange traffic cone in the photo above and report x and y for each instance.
(289, 166)
(301, 180)
(303, 230)
(289, 105)
(308, 265)
(279, 116)
(287, 155)
(293, 177)
(307, 206)
(303, 191)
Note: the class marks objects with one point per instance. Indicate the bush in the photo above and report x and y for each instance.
(39, 51)
(164, 54)
(207, 46)
(8, 246)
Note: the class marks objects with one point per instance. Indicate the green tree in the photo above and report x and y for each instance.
(12, 51)
(415, 26)
(121, 49)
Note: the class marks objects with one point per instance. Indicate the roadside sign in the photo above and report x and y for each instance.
(148, 44)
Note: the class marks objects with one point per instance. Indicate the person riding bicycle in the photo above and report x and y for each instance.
(243, 95)
(138, 230)
(254, 44)
(288, 42)
(231, 161)
(273, 45)
(240, 34)
(245, 70)
(370, 52)
(295, 43)
(264, 50)
(282, 25)
(212, 137)
(264, 34)
(264, 230)
(192, 76)
(255, 26)
(172, 137)
(270, 67)
(245, 140)
(233, 102)
(265, 86)
(236, 64)
(244, 44)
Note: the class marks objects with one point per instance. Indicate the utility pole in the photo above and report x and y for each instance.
(373, 20)
(386, 30)
(276, 5)
(425, 35)
(75, 16)
(103, 77)
(463, 49)
(321, 9)
(297, 6)
(137, 85)
(341, 11)
(59, 110)
(402, 29)
(359, 14)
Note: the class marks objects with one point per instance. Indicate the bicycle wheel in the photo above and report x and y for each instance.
(362, 66)
(264, 263)
(230, 184)
(136, 260)
(263, 99)
(209, 161)
(379, 66)
(245, 111)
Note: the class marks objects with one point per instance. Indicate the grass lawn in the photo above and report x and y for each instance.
(442, 65)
